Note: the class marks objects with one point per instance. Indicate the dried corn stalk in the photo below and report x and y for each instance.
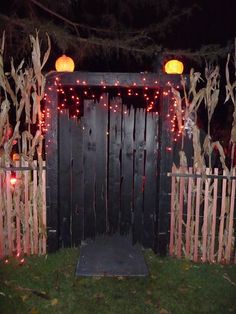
(22, 90)
(25, 92)
(231, 95)
(193, 97)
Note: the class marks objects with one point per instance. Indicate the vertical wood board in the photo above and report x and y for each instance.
(52, 154)
(127, 169)
(140, 146)
(65, 179)
(150, 180)
(89, 148)
(101, 164)
(114, 164)
(77, 181)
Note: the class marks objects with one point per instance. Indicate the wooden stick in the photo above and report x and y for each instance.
(197, 212)
(172, 217)
(17, 208)
(231, 221)
(181, 203)
(9, 212)
(205, 217)
(27, 214)
(189, 208)
(44, 209)
(213, 229)
(33, 291)
(222, 218)
(2, 253)
(35, 209)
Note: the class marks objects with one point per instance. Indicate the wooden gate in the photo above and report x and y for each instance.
(108, 171)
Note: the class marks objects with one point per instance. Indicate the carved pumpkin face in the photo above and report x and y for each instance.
(64, 64)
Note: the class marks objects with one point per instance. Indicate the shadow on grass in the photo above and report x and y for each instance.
(174, 286)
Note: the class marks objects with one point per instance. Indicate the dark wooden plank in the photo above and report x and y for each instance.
(127, 170)
(138, 174)
(150, 187)
(165, 158)
(51, 148)
(114, 165)
(152, 80)
(77, 181)
(64, 179)
(89, 168)
(101, 164)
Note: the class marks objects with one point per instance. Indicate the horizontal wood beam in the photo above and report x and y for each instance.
(192, 175)
(20, 168)
(152, 80)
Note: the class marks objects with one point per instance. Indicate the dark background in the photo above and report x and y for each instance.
(192, 30)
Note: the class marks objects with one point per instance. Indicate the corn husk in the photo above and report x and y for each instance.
(24, 93)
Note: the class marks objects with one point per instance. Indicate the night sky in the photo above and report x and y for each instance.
(210, 22)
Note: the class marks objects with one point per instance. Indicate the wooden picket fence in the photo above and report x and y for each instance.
(22, 209)
(202, 217)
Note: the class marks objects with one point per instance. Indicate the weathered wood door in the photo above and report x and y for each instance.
(108, 172)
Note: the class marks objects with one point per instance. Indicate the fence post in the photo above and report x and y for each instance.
(189, 212)
(26, 237)
(214, 208)
(1, 217)
(44, 210)
(172, 212)
(205, 217)
(197, 214)
(231, 220)
(17, 208)
(222, 218)
(35, 210)
(9, 210)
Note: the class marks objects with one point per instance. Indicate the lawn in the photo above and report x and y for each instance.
(48, 284)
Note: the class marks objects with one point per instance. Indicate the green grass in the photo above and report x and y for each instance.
(48, 284)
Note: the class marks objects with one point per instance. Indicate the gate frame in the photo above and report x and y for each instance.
(165, 142)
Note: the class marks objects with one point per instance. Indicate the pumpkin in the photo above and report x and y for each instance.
(174, 67)
(64, 64)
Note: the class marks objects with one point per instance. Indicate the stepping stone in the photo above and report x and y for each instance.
(111, 255)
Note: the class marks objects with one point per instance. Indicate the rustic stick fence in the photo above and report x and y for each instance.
(202, 216)
(22, 208)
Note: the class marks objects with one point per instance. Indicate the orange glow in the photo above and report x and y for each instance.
(174, 67)
(64, 64)
(13, 180)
